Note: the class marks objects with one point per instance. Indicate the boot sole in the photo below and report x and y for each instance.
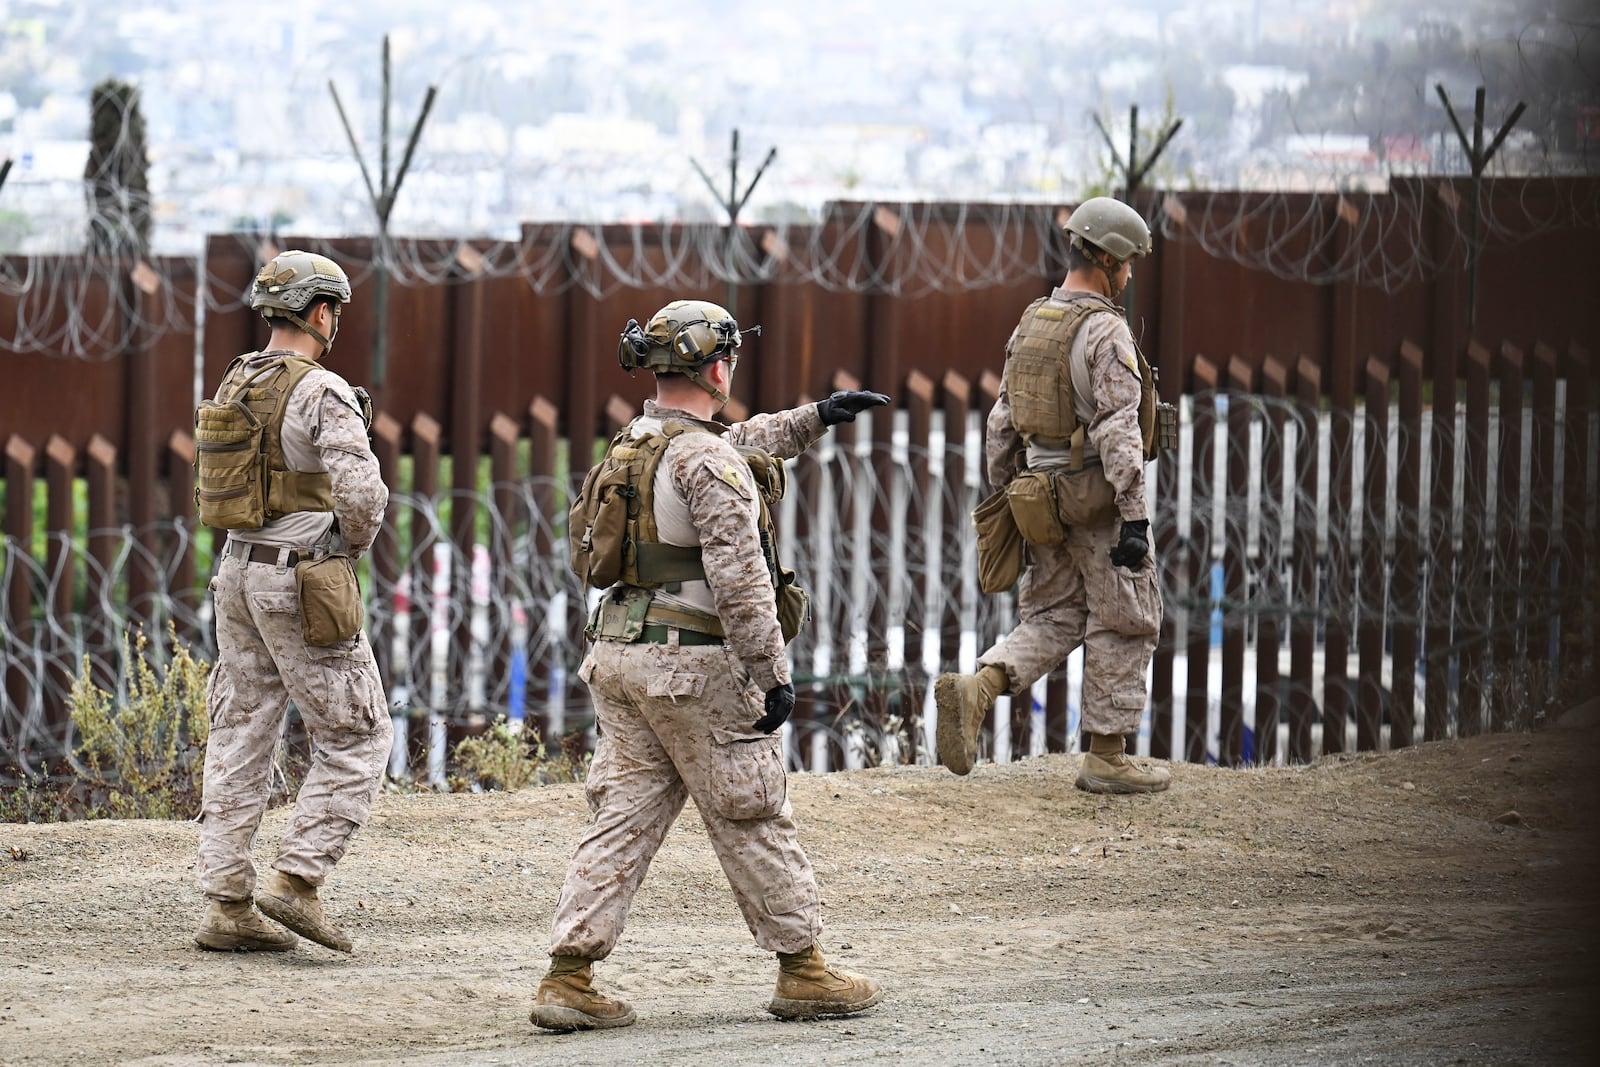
(230, 943)
(552, 1017)
(952, 746)
(1090, 784)
(285, 913)
(784, 1008)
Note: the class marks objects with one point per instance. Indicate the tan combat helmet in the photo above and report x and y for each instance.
(1112, 226)
(681, 338)
(291, 280)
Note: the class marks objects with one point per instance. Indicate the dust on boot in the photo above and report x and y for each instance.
(292, 901)
(567, 1000)
(808, 987)
(236, 926)
(963, 701)
(1108, 769)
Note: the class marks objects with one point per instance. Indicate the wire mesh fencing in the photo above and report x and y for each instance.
(1332, 580)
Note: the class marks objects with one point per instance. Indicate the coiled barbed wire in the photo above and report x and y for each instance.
(1314, 218)
(882, 536)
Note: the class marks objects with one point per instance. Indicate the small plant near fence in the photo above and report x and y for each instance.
(504, 758)
(143, 752)
(140, 752)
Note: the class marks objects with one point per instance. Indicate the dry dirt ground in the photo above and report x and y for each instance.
(1434, 905)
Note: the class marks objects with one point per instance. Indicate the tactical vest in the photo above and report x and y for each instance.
(612, 535)
(1038, 378)
(242, 479)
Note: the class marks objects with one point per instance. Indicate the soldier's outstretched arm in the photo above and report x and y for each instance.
(785, 434)
(846, 404)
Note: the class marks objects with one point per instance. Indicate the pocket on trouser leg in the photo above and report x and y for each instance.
(323, 827)
(747, 776)
(222, 697)
(347, 814)
(346, 693)
(1117, 711)
(1128, 601)
(789, 901)
(599, 776)
(675, 685)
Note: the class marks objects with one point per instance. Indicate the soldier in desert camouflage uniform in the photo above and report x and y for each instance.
(1097, 584)
(263, 658)
(688, 698)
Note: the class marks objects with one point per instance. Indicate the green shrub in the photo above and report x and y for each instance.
(146, 749)
(508, 759)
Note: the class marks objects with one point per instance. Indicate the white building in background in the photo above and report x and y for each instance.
(44, 194)
(1250, 86)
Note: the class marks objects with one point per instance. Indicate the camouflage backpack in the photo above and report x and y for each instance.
(241, 476)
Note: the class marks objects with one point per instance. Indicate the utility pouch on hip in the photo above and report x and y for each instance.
(620, 615)
(794, 605)
(1085, 498)
(1166, 427)
(1032, 495)
(999, 544)
(330, 600)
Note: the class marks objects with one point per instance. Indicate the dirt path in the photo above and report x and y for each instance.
(1429, 906)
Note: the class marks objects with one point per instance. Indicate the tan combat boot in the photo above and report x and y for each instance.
(566, 999)
(963, 700)
(808, 987)
(1107, 769)
(292, 901)
(235, 926)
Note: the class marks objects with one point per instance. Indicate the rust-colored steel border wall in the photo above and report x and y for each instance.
(478, 363)
(874, 320)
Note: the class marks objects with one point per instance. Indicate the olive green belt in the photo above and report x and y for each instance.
(659, 635)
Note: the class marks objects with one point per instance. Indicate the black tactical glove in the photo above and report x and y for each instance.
(1133, 545)
(780, 703)
(846, 404)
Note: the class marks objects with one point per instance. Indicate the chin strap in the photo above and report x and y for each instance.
(700, 380)
(325, 342)
(1094, 253)
(1111, 277)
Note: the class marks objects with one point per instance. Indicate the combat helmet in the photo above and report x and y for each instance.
(1110, 225)
(290, 280)
(681, 338)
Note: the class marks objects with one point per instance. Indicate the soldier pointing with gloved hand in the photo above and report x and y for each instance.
(688, 672)
(1068, 438)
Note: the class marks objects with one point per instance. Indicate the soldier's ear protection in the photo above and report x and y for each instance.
(702, 340)
(696, 342)
(633, 346)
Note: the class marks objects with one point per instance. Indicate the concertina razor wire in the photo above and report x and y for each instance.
(473, 631)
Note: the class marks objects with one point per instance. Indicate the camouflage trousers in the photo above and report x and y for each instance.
(1072, 594)
(676, 723)
(263, 663)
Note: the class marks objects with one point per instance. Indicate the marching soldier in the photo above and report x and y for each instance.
(1068, 438)
(688, 672)
(288, 612)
